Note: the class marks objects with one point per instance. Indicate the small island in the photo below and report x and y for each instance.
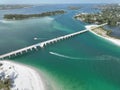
(26, 16)
(109, 14)
(74, 7)
(16, 6)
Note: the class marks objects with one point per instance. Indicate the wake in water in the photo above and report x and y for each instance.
(4, 21)
(64, 56)
(107, 57)
(102, 58)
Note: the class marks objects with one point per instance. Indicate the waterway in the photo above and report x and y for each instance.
(84, 62)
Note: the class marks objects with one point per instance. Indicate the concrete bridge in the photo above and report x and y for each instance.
(41, 45)
(45, 43)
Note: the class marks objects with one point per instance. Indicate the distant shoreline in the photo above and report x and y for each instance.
(103, 34)
(15, 6)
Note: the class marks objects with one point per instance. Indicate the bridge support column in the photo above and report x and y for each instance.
(21, 52)
(42, 45)
(35, 48)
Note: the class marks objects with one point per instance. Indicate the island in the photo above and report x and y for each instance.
(16, 6)
(26, 16)
(109, 14)
(74, 7)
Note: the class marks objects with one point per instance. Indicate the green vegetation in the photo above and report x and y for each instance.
(24, 16)
(109, 14)
(5, 84)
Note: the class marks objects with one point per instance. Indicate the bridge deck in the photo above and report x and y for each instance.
(42, 44)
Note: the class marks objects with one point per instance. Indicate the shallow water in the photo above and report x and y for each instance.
(95, 63)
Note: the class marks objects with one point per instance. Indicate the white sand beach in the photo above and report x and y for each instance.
(24, 78)
(111, 39)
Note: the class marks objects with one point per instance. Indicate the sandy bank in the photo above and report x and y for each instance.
(111, 39)
(24, 78)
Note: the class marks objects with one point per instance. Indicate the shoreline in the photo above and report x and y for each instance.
(23, 76)
(28, 16)
(106, 37)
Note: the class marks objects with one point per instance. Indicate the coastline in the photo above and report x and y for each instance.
(111, 39)
(24, 77)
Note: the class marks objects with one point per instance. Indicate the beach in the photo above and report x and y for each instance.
(23, 77)
(104, 36)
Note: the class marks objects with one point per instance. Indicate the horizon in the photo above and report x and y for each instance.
(59, 2)
(52, 3)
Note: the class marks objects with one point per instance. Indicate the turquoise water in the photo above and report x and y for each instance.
(84, 62)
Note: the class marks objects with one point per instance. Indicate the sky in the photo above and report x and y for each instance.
(55, 1)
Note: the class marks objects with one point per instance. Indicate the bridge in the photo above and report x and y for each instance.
(43, 44)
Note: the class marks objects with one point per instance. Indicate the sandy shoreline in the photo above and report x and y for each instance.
(111, 39)
(25, 78)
